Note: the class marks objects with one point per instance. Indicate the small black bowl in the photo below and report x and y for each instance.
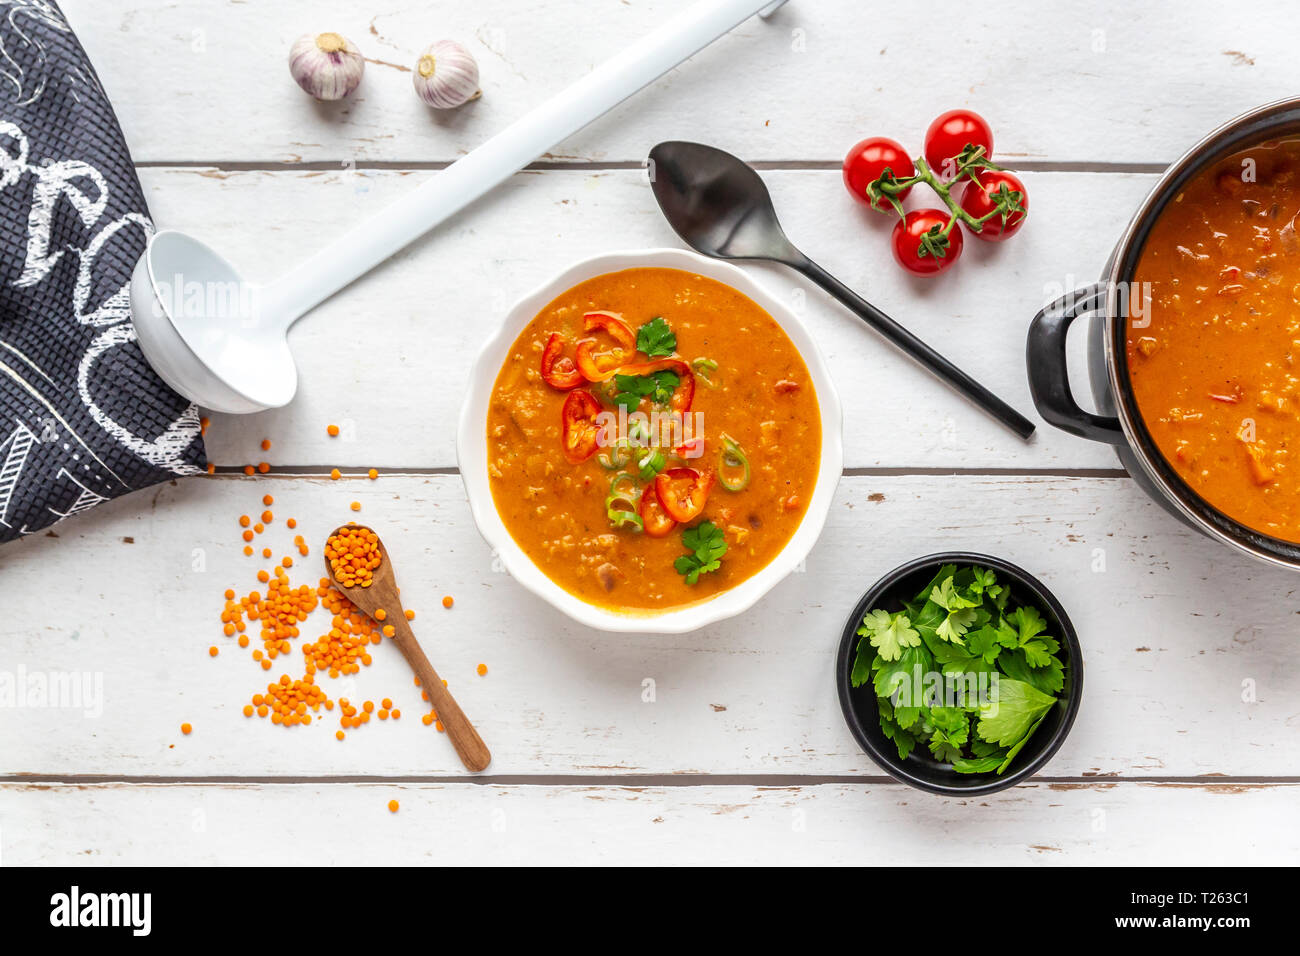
(920, 769)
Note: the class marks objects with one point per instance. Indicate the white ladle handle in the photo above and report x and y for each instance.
(447, 192)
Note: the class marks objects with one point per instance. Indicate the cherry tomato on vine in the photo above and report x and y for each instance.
(988, 191)
(952, 132)
(868, 160)
(918, 255)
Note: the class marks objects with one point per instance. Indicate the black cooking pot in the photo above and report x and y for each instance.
(1118, 421)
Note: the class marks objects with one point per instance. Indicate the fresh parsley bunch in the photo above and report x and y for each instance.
(959, 628)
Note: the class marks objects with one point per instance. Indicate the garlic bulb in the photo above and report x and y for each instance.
(446, 76)
(327, 65)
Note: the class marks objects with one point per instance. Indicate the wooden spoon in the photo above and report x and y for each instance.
(382, 593)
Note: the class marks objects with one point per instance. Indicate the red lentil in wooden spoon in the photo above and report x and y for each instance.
(357, 563)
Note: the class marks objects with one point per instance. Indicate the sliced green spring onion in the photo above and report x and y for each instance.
(652, 464)
(625, 519)
(704, 369)
(638, 430)
(621, 504)
(624, 487)
(606, 392)
(616, 456)
(733, 457)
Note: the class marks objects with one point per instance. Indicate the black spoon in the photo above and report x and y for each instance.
(721, 208)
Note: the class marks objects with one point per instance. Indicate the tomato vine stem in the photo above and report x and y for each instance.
(971, 159)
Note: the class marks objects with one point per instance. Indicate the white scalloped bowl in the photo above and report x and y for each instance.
(472, 454)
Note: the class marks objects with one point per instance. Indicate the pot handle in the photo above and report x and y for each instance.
(1049, 375)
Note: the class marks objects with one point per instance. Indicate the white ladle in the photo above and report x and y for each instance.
(222, 342)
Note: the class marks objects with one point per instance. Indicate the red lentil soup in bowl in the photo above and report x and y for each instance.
(651, 442)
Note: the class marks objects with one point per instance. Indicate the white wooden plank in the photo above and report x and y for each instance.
(464, 824)
(1189, 650)
(390, 354)
(1090, 81)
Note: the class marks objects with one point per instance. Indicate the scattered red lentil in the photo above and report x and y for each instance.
(288, 700)
(482, 669)
(332, 430)
(448, 601)
(249, 469)
(335, 475)
(392, 806)
(263, 467)
(343, 649)
(372, 474)
(410, 615)
(212, 651)
(185, 729)
(355, 506)
(266, 444)
(212, 469)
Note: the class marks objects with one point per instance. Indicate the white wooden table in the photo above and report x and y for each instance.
(721, 746)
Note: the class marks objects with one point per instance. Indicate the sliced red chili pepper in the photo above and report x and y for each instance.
(558, 370)
(612, 323)
(691, 448)
(602, 366)
(683, 492)
(656, 521)
(684, 395)
(597, 368)
(580, 428)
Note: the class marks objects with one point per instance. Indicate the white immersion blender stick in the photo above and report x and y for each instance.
(447, 192)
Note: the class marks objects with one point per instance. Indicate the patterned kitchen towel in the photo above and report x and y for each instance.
(83, 418)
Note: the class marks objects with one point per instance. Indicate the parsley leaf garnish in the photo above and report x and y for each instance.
(657, 386)
(707, 546)
(656, 339)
